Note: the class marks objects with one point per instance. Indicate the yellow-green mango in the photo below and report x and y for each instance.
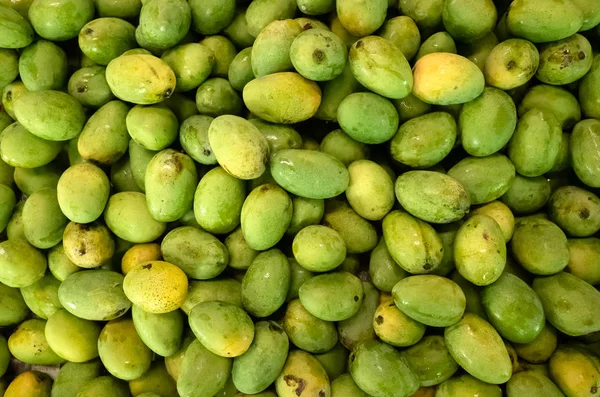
(210, 17)
(271, 49)
(527, 195)
(94, 295)
(82, 192)
(127, 216)
(60, 20)
(284, 97)
(404, 33)
(469, 20)
(13, 308)
(240, 70)
(224, 52)
(511, 64)
(255, 370)
(42, 297)
(43, 66)
(30, 180)
(28, 344)
(339, 145)
(575, 371)
(30, 384)
(104, 386)
(141, 79)
(8, 202)
(72, 377)
(306, 331)
(224, 290)
(216, 97)
(436, 75)
(541, 21)
(479, 349)
(426, 13)
(383, 270)
(332, 297)
(569, 303)
(556, 100)
(589, 93)
(466, 386)
(584, 159)
(530, 383)
(360, 326)
(334, 92)
(238, 32)
(361, 18)
(540, 246)
(394, 327)
(104, 39)
(302, 373)
(43, 221)
(72, 338)
(335, 361)
(279, 136)
(541, 348)
(358, 234)
(16, 32)
(153, 127)
(10, 94)
(59, 263)
(379, 369)
(485, 178)
(564, 61)
(162, 333)
(344, 386)
(155, 382)
(368, 118)
(431, 361)
(437, 42)
(163, 23)
(213, 370)
(193, 136)
(192, 63)
(584, 259)
(21, 263)
(319, 248)
(298, 276)
(240, 254)
(318, 54)
(501, 214)
(139, 158)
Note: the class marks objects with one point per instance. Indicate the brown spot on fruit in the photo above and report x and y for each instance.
(379, 320)
(486, 236)
(359, 44)
(356, 299)
(584, 213)
(147, 267)
(511, 65)
(318, 56)
(427, 266)
(293, 381)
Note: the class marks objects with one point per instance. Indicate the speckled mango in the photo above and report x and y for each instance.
(28, 344)
(302, 372)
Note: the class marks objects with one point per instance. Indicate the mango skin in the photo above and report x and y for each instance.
(162, 333)
(585, 160)
(465, 385)
(266, 283)
(284, 97)
(192, 63)
(427, 14)
(469, 21)
(42, 297)
(72, 377)
(43, 221)
(271, 49)
(198, 359)
(72, 338)
(384, 271)
(127, 216)
(334, 92)
(381, 67)
(575, 371)
(554, 99)
(527, 195)
(477, 347)
(8, 200)
(13, 309)
(33, 383)
(529, 382)
(319, 248)
(565, 61)
(332, 297)
(436, 75)
(370, 191)
(302, 370)
(140, 79)
(541, 348)
(589, 93)
(210, 17)
(306, 331)
(583, 261)
(367, 117)
(360, 326)
(359, 18)
(575, 210)
(394, 327)
(193, 137)
(82, 192)
(404, 33)
(163, 23)
(568, 302)
(511, 64)
(541, 22)
(104, 385)
(60, 20)
(318, 54)
(16, 30)
(437, 42)
(28, 344)
(104, 39)
(343, 385)
(43, 66)
(431, 360)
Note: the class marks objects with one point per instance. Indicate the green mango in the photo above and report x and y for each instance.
(575, 371)
(89, 87)
(51, 115)
(72, 338)
(82, 192)
(266, 283)
(224, 52)
(541, 348)
(394, 327)
(540, 21)
(479, 50)
(383, 270)
(360, 326)
(527, 195)
(481, 132)
(127, 216)
(156, 380)
(379, 369)
(183, 106)
(437, 42)
(43, 220)
(42, 297)
(284, 97)
(240, 254)
(237, 31)
(479, 349)
(589, 93)
(262, 12)
(556, 100)
(334, 92)
(271, 50)
(72, 377)
(332, 297)
(563, 161)
(465, 386)
(368, 118)
(426, 13)
(318, 54)
(15, 253)
(223, 328)
(316, 7)
(344, 386)
(472, 295)
(306, 331)
(564, 61)
(43, 66)
(370, 191)
(206, 260)
(501, 214)
(469, 20)
(511, 64)
(60, 20)
(192, 63)
(568, 303)
(528, 383)
(359, 18)
(313, 254)
(302, 373)
(193, 137)
(447, 234)
(162, 333)
(59, 264)
(279, 136)
(104, 39)
(216, 97)
(359, 235)
(13, 307)
(240, 70)
(10, 94)
(575, 210)
(121, 175)
(210, 17)
(126, 9)
(14, 228)
(431, 361)
(584, 260)
(339, 145)
(404, 33)
(224, 290)
(540, 246)
(139, 158)
(388, 74)
(442, 199)
(28, 344)
(8, 201)
(591, 15)
(585, 160)
(163, 23)
(215, 371)
(104, 386)
(255, 370)
(335, 361)
(16, 32)
(127, 73)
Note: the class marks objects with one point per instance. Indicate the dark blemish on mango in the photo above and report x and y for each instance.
(275, 328)
(355, 298)
(427, 266)
(88, 31)
(148, 266)
(379, 319)
(359, 44)
(511, 65)
(318, 56)
(594, 389)
(307, 26)
(321, 393)
(584, 213)
(82, 88)
(81, 251)
(486, 236)
(581, 55)
(292, 381)
(9, 96)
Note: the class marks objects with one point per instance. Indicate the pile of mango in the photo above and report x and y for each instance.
(299, 198)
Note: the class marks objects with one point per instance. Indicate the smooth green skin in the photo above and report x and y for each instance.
(182, 106)
(72, 338)
(426, 13)
(564, 61)
(216, 97)
(42, 297)
(104, 39)
(5, 171)
(359, 235)
(381, 67)
(141, 79)
(162, 333)
(447, 234)
(479, 349)
(51, 115)
(237, 31)
(432, 196)
(344, 386)
(72, 377)
(528, 383)
(284, 97)
(15, 30)
(368, 118)
(318, 54)
(163, 23)
(360, 327)
(575, 210)
(316, 7)
(479, 50)
(139, 158)
(412, 243)
(218, 201)
(43, 221)
(215, 370)
(563, 161)
(487, 123)
(472, 295)
(223, 328)
(193, 137)
(379, 369)
(361, 18)
(121, 175)
(122, 351)
(584, 158)
(568, 303)
(28, 344)
(371, 190)
(262, 12)
(591, 15)
(224, 290)
(302, 366)
(255, 370)
(334, 92)
(319, 248)
(297, 277)
(13, 307)
(224, 52)
(383, 270)
(43, 66)
(332, 297)
(394, 327)
(102, 386)
(339, 145)
(266, 283)
(306, 331)
(442, 306)
(589, 91)
(240, 254)
(7, 204)
(60, 20)
(556, 100)
(410, 107)
(89, 87)
(541, 348)
(210, 17)
(541, 21)
(192, 63)
(404, 33)
(527, 195)
(424, 141)
(153, 127)
(126, 9)
(199, 254)
(271, 50)
(82, 192)
(279, 136)
(240, 70)
(535, 144)
(540, 246)
(127, 216)
(511, 64)
(469, 20)
(309, 174)
(437, 42)
(14, 228)
(335, 361)
(466, 386)
(431, 361)
(94, 295)
(517, 324)
(501, 214)
(155, 382)
(306, 212)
